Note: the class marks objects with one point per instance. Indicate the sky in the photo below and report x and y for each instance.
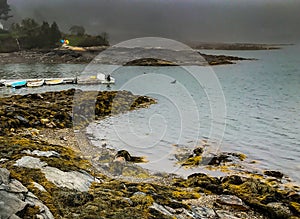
(257, 21)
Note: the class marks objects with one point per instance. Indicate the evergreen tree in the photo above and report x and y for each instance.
(55, 34)
(44, 38)
(4, 10)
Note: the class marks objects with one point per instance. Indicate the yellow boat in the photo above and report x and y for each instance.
(54, 81)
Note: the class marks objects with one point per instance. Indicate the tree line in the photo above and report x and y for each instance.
(29, 34)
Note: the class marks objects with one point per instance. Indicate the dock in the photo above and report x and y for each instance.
(83, 80)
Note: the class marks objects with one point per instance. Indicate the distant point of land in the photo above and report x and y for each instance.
(237, 46)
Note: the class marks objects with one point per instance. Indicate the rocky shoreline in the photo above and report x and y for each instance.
(46, 173)
(63, 55)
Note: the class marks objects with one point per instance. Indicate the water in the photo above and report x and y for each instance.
(250, 107)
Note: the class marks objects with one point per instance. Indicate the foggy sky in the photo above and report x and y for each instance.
(264, 21)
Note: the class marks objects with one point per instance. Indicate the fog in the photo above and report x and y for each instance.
(263, 21)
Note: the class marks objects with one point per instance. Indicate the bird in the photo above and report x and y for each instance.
(173, 82)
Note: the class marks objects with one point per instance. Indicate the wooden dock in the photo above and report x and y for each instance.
(86, 80)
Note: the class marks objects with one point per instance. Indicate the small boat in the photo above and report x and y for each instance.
(95, 79)
(16, 84)
(35, 82)
(105, 79)
(69, 80)
(54, 81)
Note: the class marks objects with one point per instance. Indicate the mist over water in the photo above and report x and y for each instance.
(188, 21)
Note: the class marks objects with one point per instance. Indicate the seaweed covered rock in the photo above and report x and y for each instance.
(63, 109)
(260, 195)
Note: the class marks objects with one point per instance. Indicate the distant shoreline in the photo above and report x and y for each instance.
(78, 55)
(237, 46)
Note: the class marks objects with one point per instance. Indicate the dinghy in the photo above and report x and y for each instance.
(35, 83)
(54, 81)
(16, 84)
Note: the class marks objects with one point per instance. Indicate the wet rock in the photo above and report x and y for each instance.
(125, 154)
(206, 182)
(198, 151)
(225, 157)
(273, 173)
(150, 62)
(55, 109)
(233, 179)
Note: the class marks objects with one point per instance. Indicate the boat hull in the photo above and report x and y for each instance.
(16, 84)
(35, 83)
(54, 81)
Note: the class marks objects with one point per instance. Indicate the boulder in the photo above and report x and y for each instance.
(30, 162)
(79, 181)
(10, 204)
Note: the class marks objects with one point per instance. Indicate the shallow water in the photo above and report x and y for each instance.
(250, 107)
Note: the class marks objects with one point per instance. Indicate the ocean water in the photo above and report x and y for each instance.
(250, 107)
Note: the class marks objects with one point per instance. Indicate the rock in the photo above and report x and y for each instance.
(141, 198)
(273, 173)
(79, 181)
(232, 201)
(221, 214)
(16, 187)
(22, 119)
(30, 162)
(125, 154)
(2, 160)
(42, 153)
(10, 204)
(202, 180)
(198, 151)
(44, 121)
(32, 200)
(4, 176)
(233, 179)
(278, 210)
(73, 198)
(203, 212)
(160, 209)
(39, 187)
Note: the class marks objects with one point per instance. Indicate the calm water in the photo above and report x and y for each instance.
(251, 107)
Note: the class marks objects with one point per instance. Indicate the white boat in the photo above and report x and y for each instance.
(105, 79)
(54, 81)
(35, 82)
(100, 78)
